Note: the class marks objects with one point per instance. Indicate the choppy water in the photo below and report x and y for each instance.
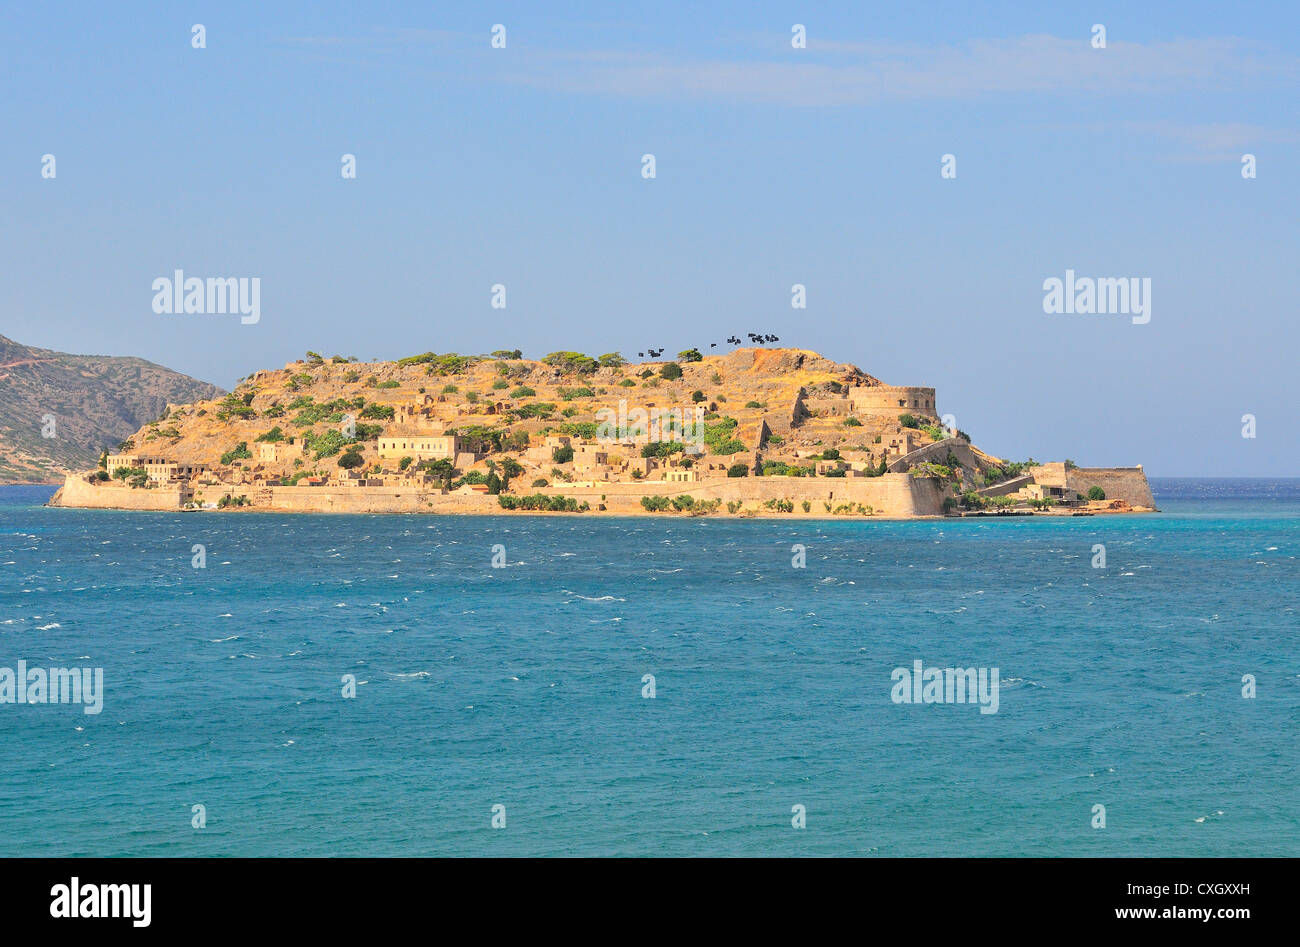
(522, 686)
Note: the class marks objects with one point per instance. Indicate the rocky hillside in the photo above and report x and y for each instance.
(510, 403)
(87, 402)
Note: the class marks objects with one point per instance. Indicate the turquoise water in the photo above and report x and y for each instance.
(522, 686)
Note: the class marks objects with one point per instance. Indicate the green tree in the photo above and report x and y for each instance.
(671, 371)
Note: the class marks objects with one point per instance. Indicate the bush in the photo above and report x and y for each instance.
(540, 501)
(500, 384)
(697, 396)
(627, 383)
(852, 422)
(351, 459)
(583, 429)
(405, 462)
(752, 404)
(661, 448)
(1096, 493)
(571, 362)
(541, 482)
(907, 420)
(690, 355)
(272, 436)
(670, 372)
(562, 455)
(523, 391)
(738, 470)
(238, 452)
(655, 504)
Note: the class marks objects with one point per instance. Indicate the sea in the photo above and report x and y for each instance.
(567, 685)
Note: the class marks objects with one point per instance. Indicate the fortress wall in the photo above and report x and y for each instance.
(884, 399)
(114, 496)
(376, 500)
(829, 407)
(1120, 483)
(891, 495)
(938, 453)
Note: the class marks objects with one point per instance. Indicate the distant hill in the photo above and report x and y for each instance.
(96, 402)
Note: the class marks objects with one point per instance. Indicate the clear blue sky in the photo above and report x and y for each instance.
(775, 166)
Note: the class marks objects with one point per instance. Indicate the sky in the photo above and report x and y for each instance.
(774, 166)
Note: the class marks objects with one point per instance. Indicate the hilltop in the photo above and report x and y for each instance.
(89, 403)
(759, 429)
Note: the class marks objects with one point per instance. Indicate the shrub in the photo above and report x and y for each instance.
(571, 362)
(655, 504)
(405, 462)
(377, 412)
(540, 501)
(1096, 493)
(738, 470)
(327, 444)
(661, 448)
(541, 482)
(752, 404)
(584, 429)
(670, 372)
(627, 383)
(500, 384)
(852, 422)
(907, 420)
(562, 455)
(389, 384)
(238, 452)
(538, 409)
(523, 391)
(272, 436)
(351, 459)
(697, 396)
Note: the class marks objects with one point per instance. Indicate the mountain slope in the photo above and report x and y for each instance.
(88, 402)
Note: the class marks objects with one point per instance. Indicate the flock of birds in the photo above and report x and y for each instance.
(756, 337)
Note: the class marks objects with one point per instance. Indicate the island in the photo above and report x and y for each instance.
(753, 432)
